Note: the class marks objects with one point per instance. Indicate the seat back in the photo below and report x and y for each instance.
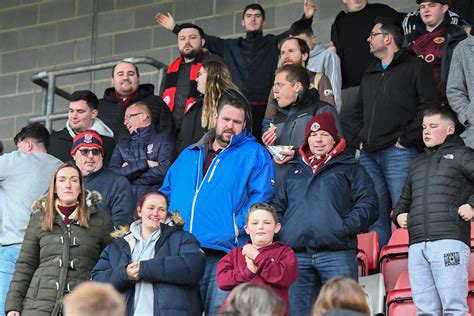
(393, 261)
(369, 243)
(400, 303)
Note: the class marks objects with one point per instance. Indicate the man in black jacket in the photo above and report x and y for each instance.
(395, 90)
(127, 90)
(252, 60)
(436, 205)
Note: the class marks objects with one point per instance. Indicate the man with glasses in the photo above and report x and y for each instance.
(144, 158)
(117, 196)
(395, 90)
(82, 115)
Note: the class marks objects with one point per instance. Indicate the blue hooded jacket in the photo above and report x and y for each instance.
(212, 204)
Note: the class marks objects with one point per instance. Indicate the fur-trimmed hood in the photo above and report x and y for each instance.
(93, 198)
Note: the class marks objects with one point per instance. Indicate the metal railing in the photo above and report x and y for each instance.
(47, 81)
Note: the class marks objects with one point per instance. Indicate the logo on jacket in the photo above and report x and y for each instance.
(328, 92)
(272, 182)
(315, 127)
(438, 40)
(448, 156)
(167, 99)
(149, 149)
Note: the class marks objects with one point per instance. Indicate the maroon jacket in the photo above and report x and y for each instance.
(276, 265)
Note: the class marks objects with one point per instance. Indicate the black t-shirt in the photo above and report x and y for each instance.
(349, 34)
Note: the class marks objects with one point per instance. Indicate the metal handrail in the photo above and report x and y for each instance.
(44, 78)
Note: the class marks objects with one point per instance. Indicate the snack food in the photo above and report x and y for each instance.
(272, 128)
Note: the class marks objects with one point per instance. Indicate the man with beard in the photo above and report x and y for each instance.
(126, 91)
(214, 182)
(180, 87)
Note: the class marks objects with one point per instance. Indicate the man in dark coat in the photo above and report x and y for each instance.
(325, 200)
(82, 115)
(127, 90)
(436, 205)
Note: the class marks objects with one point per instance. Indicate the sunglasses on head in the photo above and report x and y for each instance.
(94, 151)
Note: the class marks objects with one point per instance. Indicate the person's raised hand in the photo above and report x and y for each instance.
(165, 20)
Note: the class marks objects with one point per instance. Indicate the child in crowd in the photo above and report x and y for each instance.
(263, 261)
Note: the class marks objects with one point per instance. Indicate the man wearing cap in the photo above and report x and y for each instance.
(117, 196)
(82, 115)
(325, 200)
(127, 90)
(144, 158)
(180, 86)
(434, 39)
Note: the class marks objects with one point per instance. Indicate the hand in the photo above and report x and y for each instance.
(133, 271)
(152, 164)
(269, 138)
(465, 212)
(124, 164)
(309, 9)
(15, 313)
(290, 154)
(250, 251)
(402, 220)
(165, 20)
(398, 145)
(331, 47)
(361, 145)
(251, 265)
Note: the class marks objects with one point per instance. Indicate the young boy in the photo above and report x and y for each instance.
(262, 261)
(436, 205)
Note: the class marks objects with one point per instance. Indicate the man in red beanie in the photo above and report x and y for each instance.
(117, 196)
(324, 201)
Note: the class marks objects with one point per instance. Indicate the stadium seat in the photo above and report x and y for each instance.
(400, 303)
(470, 297)
(369, 244)
(394, 258)
(403, 281)
(362, 263)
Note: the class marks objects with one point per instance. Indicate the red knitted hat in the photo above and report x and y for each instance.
(88, 138)
(325, 122)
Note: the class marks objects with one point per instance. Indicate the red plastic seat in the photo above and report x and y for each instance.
(403, 281)
(470, 297)
(400, 303)
(394, 258)
(369, 244)
(362, 263)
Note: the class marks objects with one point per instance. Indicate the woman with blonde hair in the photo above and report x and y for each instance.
(62, 243)
(341, 293)
(214, 79)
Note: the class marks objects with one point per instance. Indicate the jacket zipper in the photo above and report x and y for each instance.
(425, 194)
(373, 108)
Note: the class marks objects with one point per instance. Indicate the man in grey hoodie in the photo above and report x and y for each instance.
(82, 116)
(24, 175)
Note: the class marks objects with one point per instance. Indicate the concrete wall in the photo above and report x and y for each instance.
(38, 35)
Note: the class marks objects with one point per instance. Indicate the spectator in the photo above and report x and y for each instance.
(24, 175)
(127, 90)
(434, 39)
(296, 105)
(156, 265)
(252, 60)
(395, 90)
(348, 34)
(226, 165)
(262, 262)
(94, 299)
(436, 205)
(144, 158)
(62, 243)
(325, 200)
(253, 300)
(321, 60)
(213, 80)
(180, 86)
(115, 190)
(82, 115)
(460, 89)
(341, 293)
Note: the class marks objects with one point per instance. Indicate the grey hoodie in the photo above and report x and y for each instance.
(327, 62)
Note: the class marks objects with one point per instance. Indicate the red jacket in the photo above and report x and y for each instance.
(276, 265)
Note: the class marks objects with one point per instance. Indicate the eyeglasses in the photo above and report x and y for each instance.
(373, 34)
(86, 152)
(130, 116)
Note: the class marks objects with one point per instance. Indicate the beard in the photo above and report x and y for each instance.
(190, 55)
(220, 138)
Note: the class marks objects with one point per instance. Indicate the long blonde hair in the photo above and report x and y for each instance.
(219, 80)
(341, 293)
(51, 197)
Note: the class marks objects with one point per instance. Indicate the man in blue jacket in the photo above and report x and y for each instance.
(325, 200)
(214, 182)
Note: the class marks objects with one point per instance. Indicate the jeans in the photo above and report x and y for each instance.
(211, 296)
(439, 277)
(316, 269)
(8, 256)
(388, 169)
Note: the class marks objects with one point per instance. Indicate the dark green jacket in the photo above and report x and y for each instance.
(51, 264)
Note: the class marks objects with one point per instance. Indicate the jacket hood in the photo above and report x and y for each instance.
(318, 49)
(93, 198)
(143, 91)
(98, 126)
